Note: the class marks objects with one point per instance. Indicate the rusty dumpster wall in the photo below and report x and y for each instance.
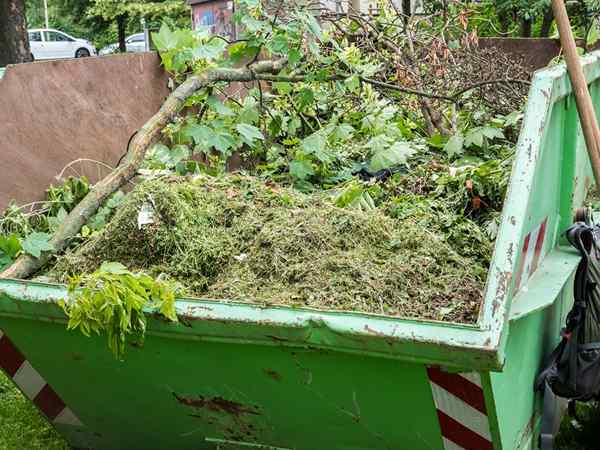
(54, 112)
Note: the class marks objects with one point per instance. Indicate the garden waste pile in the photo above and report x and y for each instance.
(235, 237)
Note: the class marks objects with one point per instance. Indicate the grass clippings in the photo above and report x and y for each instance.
(237, 238)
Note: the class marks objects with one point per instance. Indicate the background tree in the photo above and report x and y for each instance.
(122, 12)
(14, 41)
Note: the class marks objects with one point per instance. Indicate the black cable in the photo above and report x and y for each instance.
(127, 149)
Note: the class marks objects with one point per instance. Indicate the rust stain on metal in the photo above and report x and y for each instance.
(276, 338)
(273, 374)
(528, 429)
(503, 281)
(216, 404)
(510, 253)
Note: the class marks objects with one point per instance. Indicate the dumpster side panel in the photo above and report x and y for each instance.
(562, 178)
(194, 395)
(530, 338)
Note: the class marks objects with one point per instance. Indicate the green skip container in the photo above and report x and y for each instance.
(238, 376)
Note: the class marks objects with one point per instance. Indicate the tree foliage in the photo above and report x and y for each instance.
(96, 20)
(356, 93)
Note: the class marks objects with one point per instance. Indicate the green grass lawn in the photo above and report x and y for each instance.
(21, 425)
(585, 438)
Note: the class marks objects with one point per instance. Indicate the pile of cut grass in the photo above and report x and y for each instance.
(237, 238)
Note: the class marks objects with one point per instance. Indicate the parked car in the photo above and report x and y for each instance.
(53, 44)
(134, 44)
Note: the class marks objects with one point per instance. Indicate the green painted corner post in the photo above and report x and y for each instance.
(234, 375)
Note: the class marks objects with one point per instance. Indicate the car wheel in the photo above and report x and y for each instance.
(82, 53)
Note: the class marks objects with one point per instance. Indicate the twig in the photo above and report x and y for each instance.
(408, 90)
(486, 82)
(100, 163)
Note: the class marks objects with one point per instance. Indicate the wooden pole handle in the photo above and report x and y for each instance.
(585, 107)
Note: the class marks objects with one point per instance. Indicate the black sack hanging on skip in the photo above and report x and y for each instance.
(573, 370)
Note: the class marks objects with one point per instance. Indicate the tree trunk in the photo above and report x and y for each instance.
(547, 23)
(121, 30)
(14, 41)
(526, 28)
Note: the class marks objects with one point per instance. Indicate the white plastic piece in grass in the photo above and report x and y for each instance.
(145, 216)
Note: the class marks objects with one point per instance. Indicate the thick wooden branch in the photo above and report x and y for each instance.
(26, 265)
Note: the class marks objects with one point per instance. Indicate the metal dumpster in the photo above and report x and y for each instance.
(237, 376)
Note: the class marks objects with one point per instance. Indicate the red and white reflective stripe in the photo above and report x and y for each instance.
(531, 253)
(461, 410)
(33, 385)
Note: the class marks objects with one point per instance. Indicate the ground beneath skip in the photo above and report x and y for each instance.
(21, 425)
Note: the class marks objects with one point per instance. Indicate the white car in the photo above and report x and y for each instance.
(53, 44)
(133, 44)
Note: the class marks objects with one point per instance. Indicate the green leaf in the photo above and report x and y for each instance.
(492, 133)
(250, 112)
(436, 141)
(391, 157)
(178, 154)
(36, 243)
(314, 26)
(474, 137)
(10, 245)
(454, 146)
(165, 39)
(301, 169)
(353, 83)
(222, 141)
(201, 134)
(5, 261)
(351, 194)
(513, 118)
(113, 267)
(343, 131)
(304, 98)
(355, 196)
(294, 56)
(115, 200)
(212, 50)
(218, 106)
(314, 144)
(249, 133)
(283, 87)
(279, 44)
(54, 222)
(160, 153)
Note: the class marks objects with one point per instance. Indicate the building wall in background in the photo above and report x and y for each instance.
(216, 14)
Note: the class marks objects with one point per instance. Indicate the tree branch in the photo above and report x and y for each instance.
(26, 265)
(486, 82)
